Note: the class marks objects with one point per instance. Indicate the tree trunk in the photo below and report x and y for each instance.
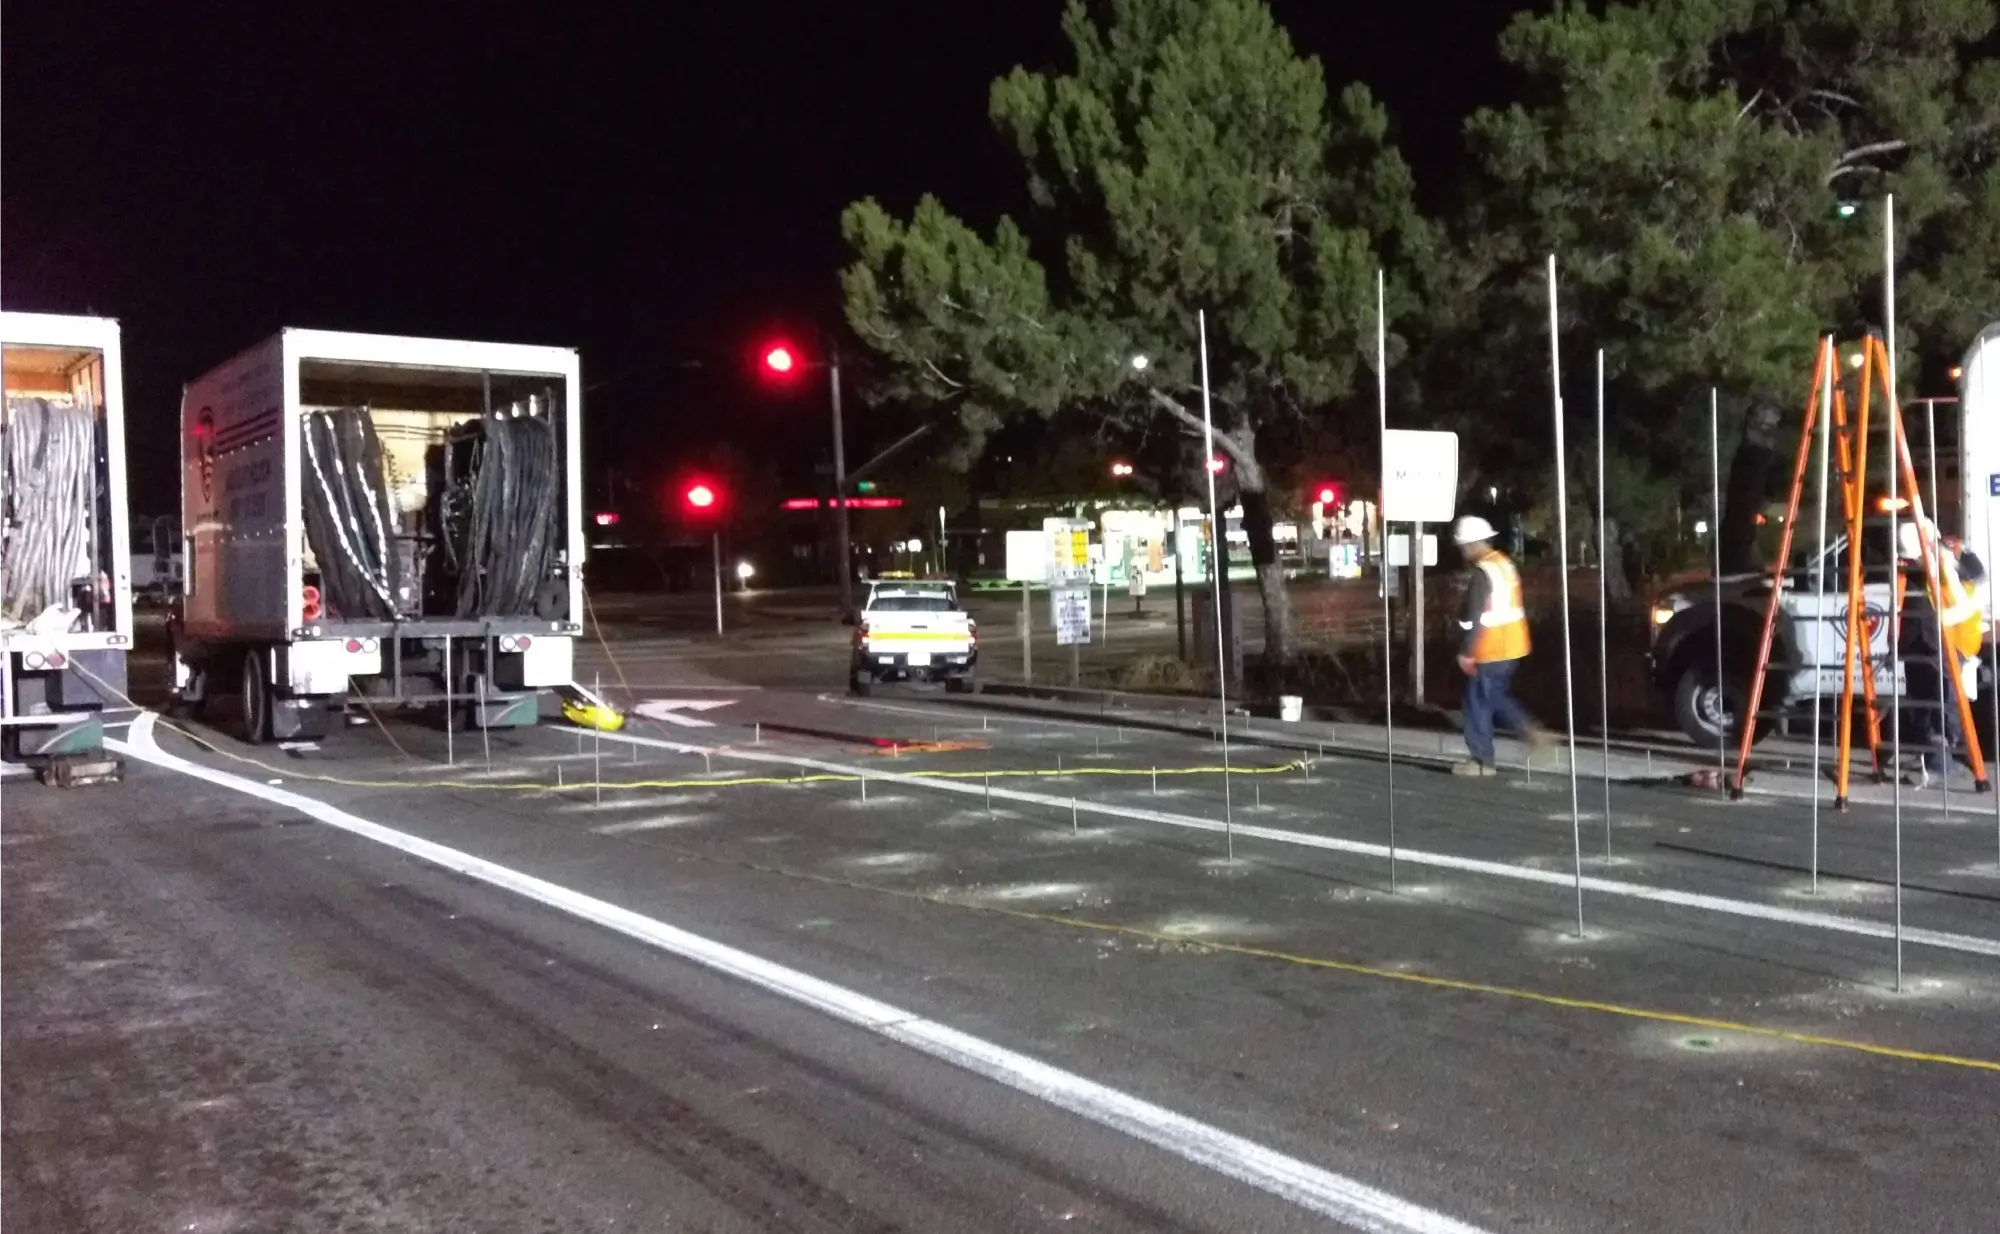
(1280, 639)
(1747, 490)
(1617, 575)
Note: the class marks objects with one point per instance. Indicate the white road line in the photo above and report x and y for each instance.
(646, 824)
(1343, 1199)
(1969, 943)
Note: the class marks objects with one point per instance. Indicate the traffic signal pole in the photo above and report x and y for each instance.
(844, 565)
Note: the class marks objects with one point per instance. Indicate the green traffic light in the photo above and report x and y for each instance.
(865, 486)
(1847, 209)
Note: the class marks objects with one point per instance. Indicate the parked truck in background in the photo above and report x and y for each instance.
(400, 518)
(1809, 639)
(65, 576)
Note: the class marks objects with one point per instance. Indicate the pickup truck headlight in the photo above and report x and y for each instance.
(1663, 613)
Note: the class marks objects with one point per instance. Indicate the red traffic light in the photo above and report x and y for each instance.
(700, 496)
(779, 359)
(1329, 494)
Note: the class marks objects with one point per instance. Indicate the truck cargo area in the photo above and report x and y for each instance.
(65, 600)
(432, 495)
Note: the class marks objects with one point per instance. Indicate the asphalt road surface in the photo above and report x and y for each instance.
(776, 959)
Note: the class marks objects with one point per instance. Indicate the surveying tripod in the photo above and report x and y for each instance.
(1847, 454)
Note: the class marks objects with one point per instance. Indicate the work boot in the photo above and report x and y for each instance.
(1472, 767)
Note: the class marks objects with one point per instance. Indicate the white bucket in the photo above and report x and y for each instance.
(1289, 708)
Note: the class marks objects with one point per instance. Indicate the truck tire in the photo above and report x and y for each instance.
(256, 694)
(861, 685)
(1696, 703)
(960, 684)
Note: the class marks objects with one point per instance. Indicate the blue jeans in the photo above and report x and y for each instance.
(1487, 699)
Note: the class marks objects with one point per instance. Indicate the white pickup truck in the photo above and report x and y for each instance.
(913, 631)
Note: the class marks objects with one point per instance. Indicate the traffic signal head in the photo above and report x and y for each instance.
(1328, 494)
(780, 360)
(701, 497)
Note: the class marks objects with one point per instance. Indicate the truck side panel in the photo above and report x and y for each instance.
(239, 574)
(1979, 441)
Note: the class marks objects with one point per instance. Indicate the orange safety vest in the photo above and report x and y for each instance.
(1503, 627)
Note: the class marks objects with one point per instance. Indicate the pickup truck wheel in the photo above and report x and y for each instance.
(1706, 714)
(860, 685)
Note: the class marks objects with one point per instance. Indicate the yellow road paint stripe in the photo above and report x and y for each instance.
(1352, 968)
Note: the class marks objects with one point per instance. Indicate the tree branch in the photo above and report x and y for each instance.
(1847, 161)
(938, 373)
(1194, 423)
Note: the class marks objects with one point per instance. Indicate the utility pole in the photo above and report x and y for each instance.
(844, 563)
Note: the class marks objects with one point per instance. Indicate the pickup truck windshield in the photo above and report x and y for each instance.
(912, 604)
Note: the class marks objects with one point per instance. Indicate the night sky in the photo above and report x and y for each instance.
(648, 182)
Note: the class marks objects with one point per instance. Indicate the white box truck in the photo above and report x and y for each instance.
(65, 575)
(397, 517)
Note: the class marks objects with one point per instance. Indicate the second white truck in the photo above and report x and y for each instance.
(913, 631)
(396, 517)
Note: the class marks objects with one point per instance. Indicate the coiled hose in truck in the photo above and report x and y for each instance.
(50, 481)
(510, 518)
(348, 521)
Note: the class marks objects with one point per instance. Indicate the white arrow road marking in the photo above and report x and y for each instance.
(667, 710)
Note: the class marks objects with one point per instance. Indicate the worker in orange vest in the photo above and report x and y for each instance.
(1495, 641)
(1958, 621)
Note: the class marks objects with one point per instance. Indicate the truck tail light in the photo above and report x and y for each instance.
(309, 603)
(861, 634)
(972, 631)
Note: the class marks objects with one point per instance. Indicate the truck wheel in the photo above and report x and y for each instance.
(961, 684)
(256, 698)
(1706, 714)
(861, 685)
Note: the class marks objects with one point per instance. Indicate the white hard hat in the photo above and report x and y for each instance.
(1908, 540)
(1472, 529)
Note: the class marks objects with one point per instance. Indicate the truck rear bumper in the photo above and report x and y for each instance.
(929, 666)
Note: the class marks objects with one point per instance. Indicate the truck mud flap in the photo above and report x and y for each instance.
(298, 719)
(79, 734)
(505, 711)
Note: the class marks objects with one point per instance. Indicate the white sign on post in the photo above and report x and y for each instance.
(1072, 615)
(1027, 557)
(1419, 476)
(1067, 548)
(1068, 551)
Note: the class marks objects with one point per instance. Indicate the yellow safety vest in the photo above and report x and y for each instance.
(1960, 610)
(1503, 626)
(1964, 618)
